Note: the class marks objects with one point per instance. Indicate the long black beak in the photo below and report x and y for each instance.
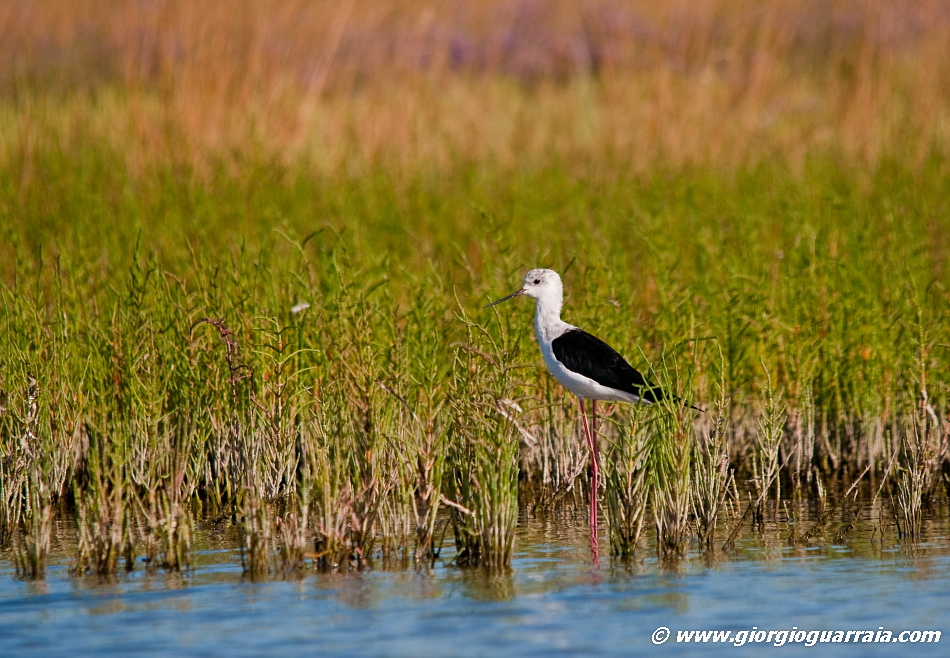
(516, 293)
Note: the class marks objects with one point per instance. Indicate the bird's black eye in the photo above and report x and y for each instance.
(537, 282)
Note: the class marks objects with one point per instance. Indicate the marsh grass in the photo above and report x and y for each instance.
(143, 396)
(245, 294)
(164, 528)
(555, 457)
(485, 449)
(924, 447)
(768, 439)
(511, 83)
(626, 484)
(713, 478)
(671, 443)
(32, 543)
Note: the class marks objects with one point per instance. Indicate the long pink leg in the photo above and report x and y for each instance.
(593, 429)
(592, 444)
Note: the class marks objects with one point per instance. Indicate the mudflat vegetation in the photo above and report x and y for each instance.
(244, 251)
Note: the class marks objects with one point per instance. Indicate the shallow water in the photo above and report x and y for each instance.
(554, 600)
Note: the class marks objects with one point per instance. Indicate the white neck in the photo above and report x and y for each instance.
(547, 318)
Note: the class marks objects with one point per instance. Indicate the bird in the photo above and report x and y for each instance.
(584, 364)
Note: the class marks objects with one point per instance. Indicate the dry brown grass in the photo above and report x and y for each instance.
(348, 84)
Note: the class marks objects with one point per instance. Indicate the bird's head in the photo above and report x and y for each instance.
(541, 284)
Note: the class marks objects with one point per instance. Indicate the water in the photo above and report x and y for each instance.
(553, 601)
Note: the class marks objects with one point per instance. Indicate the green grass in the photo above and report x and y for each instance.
(152, 369)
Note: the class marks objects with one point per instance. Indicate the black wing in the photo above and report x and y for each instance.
(590, 356)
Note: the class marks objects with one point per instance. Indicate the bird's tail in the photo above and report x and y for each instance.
(655, 394)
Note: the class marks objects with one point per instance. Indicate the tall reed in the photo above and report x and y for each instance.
(159, 363)
(711, 472)
(484, 440)
(627, 459)
(576, 83)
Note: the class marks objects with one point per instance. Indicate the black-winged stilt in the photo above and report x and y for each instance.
(584, 364)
